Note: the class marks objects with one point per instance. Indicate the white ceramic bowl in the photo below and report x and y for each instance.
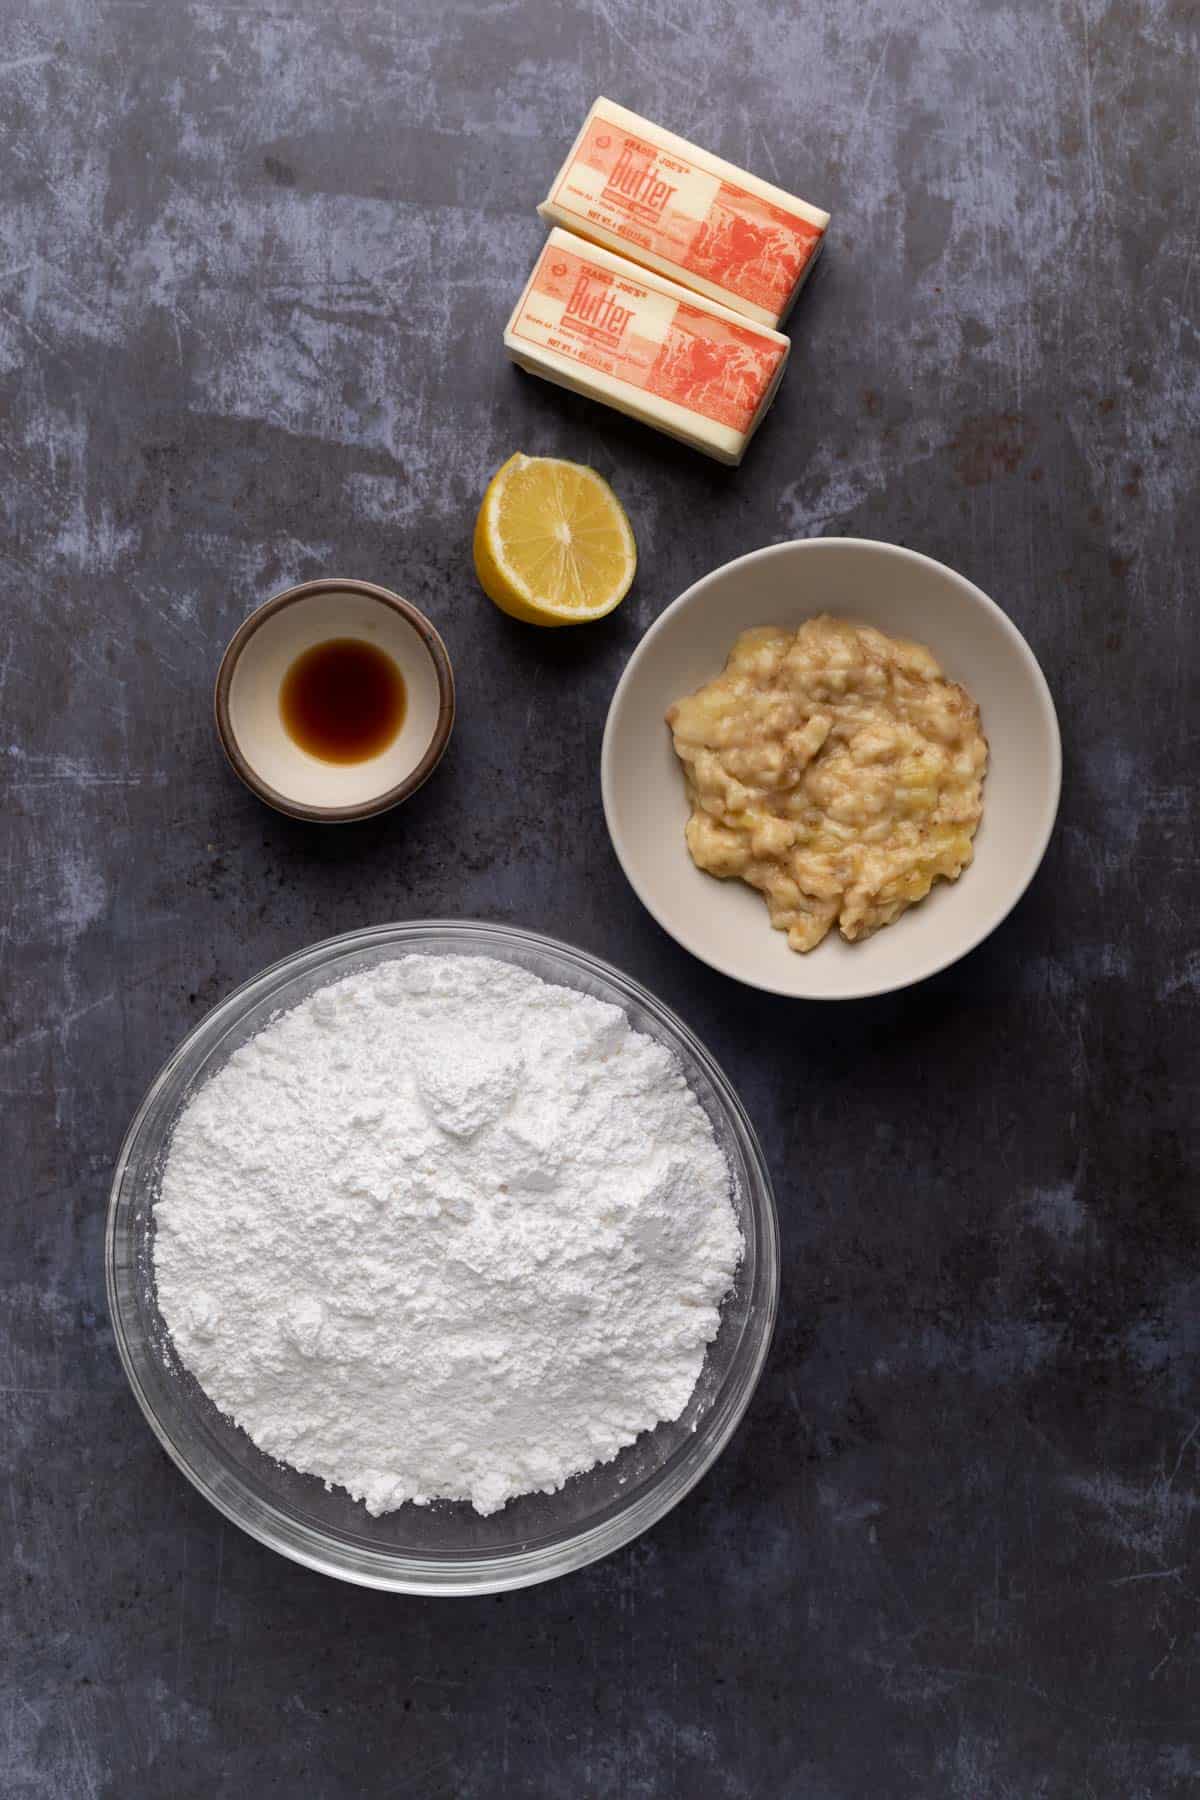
(724, 922)
(250, 723)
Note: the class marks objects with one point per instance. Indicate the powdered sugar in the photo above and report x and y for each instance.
(445, 1230)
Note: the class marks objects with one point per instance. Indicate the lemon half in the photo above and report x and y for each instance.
(552, 543)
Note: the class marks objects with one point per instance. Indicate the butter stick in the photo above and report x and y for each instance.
(595, 323)
(677, 209)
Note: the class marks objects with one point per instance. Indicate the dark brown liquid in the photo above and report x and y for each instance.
(343, 700)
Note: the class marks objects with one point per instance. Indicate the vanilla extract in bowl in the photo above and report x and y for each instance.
(334, 700)
(343, 700)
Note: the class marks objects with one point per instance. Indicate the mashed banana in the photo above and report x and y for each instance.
(834, 769)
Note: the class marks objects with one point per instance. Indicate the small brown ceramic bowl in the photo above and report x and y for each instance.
(250, 722)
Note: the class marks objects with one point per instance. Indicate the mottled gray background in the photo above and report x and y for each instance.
(254, 263)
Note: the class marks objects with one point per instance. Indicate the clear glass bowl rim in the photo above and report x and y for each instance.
(470, 1574)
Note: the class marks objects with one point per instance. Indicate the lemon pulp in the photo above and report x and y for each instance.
(553, 545)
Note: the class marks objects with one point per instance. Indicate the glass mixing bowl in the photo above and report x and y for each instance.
(445, 1548)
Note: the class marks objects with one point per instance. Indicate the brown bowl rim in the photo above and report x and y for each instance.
(393, 796)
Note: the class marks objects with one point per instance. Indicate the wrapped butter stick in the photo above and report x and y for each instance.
(595, 323)
(685, 213)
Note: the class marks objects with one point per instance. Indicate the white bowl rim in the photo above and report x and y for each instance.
(1039, 840)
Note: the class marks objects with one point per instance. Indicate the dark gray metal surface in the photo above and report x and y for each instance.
(254, 263)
